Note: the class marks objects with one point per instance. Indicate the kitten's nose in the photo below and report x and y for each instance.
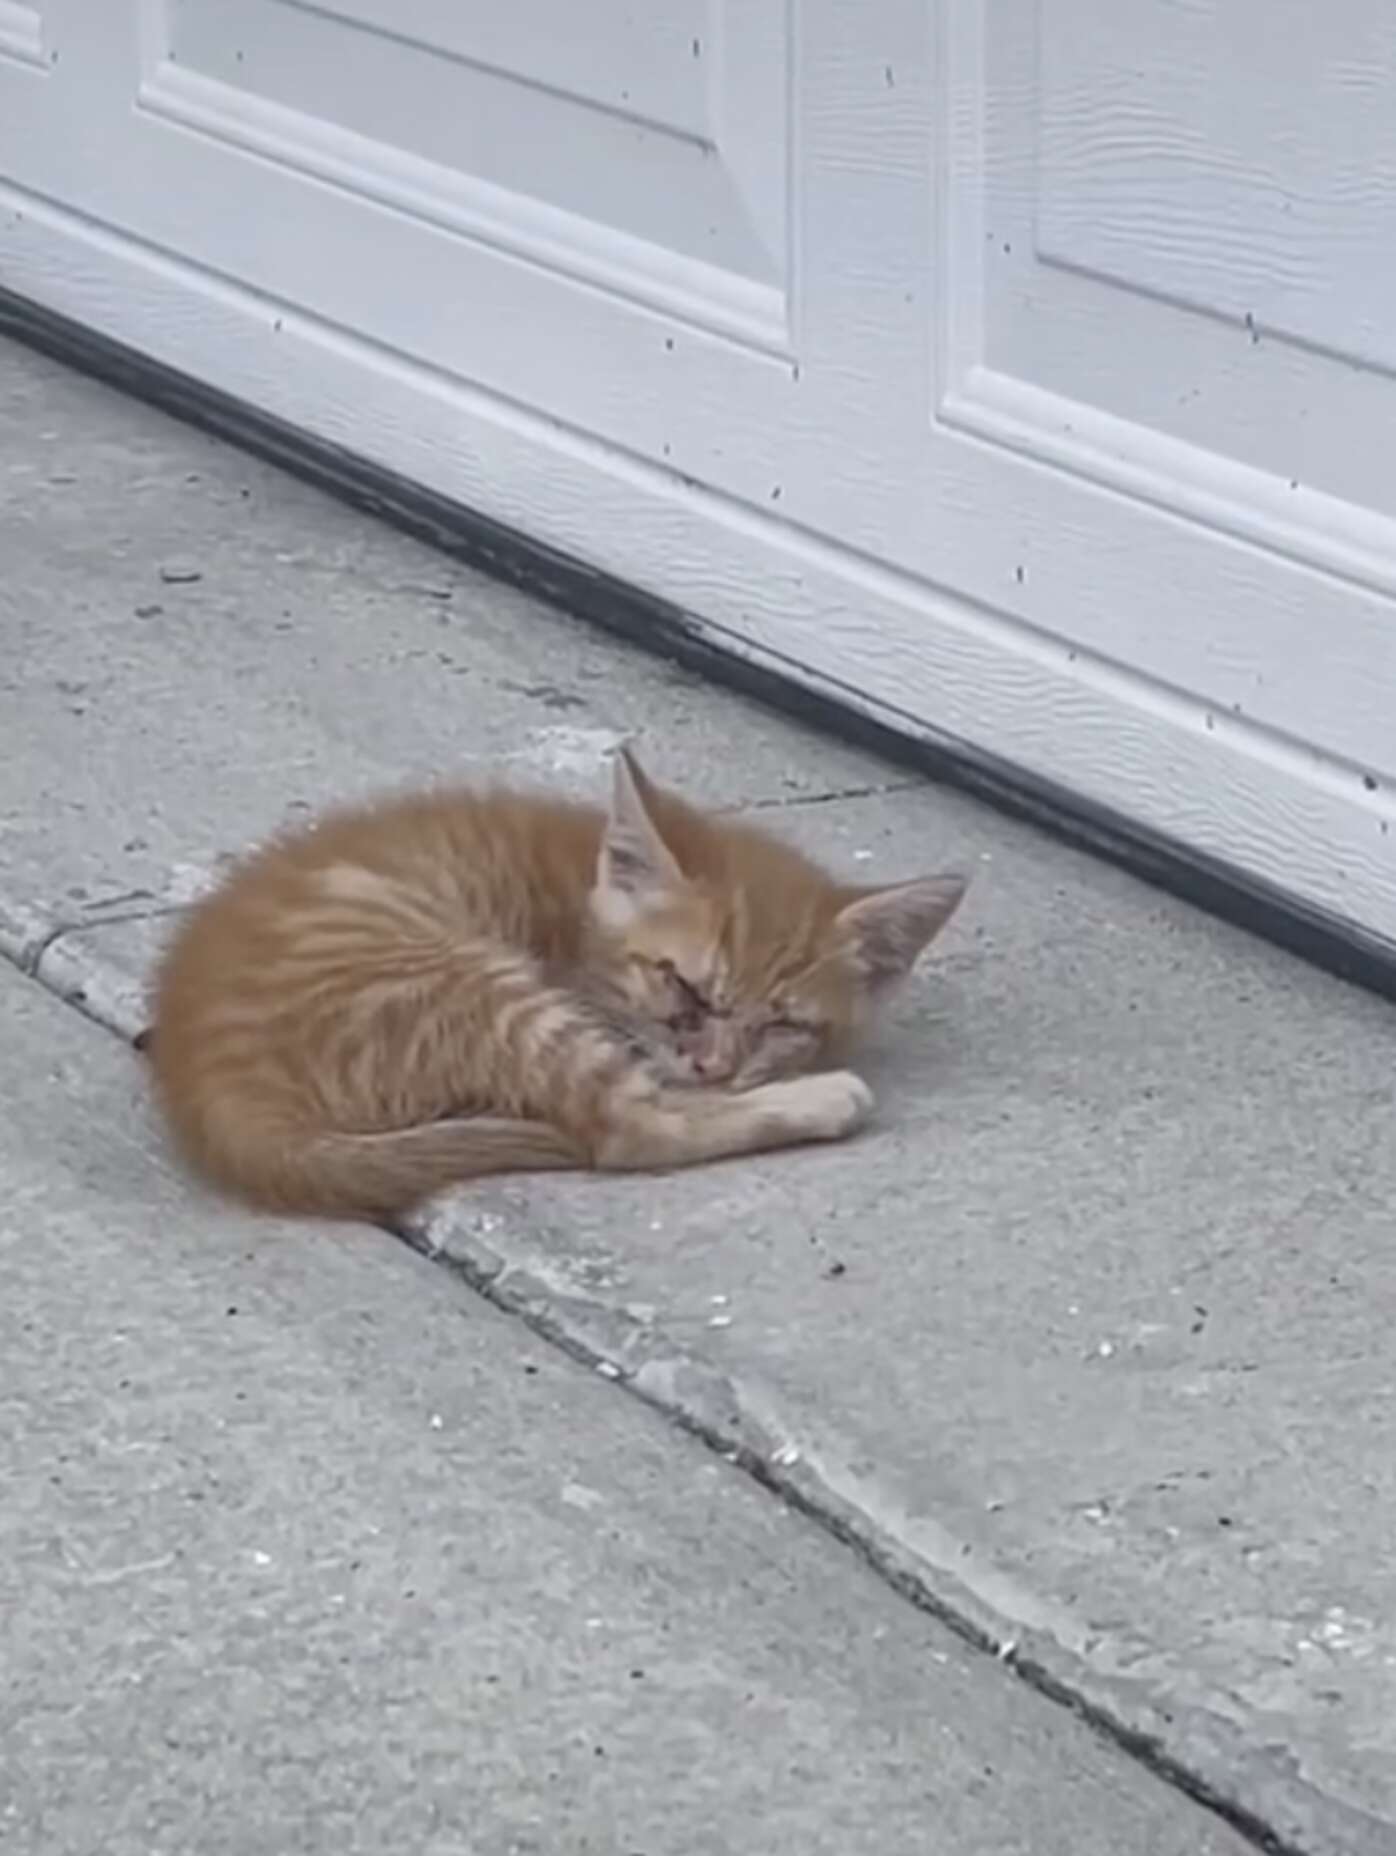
(710, 1055)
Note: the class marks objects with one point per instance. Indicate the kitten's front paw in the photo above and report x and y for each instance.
(833, 1104)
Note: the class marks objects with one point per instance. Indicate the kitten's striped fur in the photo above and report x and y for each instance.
(440, 987)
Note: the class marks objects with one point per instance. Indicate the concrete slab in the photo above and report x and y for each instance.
(1085, 1341)
(304, 1547)
(160, 590)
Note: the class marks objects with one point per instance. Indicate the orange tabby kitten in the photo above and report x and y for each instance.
(439, 987)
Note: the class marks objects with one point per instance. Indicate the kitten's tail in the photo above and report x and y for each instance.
(378, 1175)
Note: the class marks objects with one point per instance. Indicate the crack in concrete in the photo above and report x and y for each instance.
(28, 956)
(1186, 1746)
(152, 913)
(29, 959)
(794, 801)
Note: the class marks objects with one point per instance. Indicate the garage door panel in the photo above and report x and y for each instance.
(608, 336)
(588, 147)
(1170, 466)
(1187, 229)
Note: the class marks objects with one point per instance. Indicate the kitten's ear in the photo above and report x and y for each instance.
(888, 928)
(634, 867)
(627, 771)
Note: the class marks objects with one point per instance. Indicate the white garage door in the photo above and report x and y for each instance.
(1033, 384)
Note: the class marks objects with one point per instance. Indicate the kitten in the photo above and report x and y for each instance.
(439, 987)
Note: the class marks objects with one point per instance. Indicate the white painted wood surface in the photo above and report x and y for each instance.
(1033, 385)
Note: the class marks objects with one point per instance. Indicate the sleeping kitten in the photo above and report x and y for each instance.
(440, 987)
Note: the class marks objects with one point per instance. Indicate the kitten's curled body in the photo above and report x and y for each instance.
(439, 987)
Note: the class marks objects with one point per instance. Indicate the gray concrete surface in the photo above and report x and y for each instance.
(1084, 1340)
(314, 656)
(305, 1548)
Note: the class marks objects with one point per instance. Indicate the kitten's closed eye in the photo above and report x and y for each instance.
(694, 1003)
(779, 1044)
(784, 1039)
(792, 1021)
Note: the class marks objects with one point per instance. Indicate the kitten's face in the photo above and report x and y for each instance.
(714, 999)
(705, 1020)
